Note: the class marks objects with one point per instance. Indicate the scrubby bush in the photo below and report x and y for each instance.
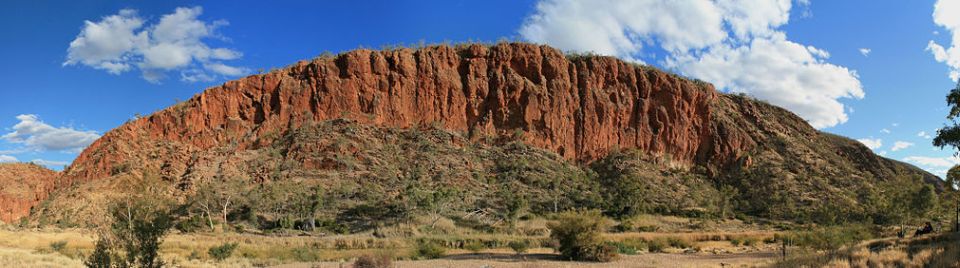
(679, 243)
(578, 234)
(657, 245)
(629, 246)
(59, 246)
(428, 250)
(830, 238)
(474, 246)
(222, 252)
(519, 247)
(304, 254)
(373, 261)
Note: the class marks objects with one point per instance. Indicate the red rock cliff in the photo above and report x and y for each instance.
(23, 186)
(579, 107)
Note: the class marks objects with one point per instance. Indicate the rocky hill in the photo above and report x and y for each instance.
(23, 186)
(571, 109)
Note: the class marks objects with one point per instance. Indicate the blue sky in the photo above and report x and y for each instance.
(808, 56)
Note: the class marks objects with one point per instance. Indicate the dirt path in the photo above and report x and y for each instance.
(544, 261)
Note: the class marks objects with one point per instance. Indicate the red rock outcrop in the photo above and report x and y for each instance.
(23, 186)
(580, 108)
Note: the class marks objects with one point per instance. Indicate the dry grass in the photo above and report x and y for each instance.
(932, 251)
(15, 257)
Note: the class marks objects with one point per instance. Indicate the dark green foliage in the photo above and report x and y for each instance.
(657, 245)
(137, 231)
(222, 252)
(578, 234)
(622, 191)
(629, 246)
(950, 135)
(519, 247)
(101, 256)
(428, 249)
(191, 224)
(678, 243)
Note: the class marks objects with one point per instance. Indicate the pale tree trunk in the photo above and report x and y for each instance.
(226, 210)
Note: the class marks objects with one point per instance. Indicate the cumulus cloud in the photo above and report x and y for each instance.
(735, 44)
(936, 165)
(7, 159)
(887, 131)
(873, 144)
(924, 134)
(118, 43)
(935, 162)
(900, 145)
(50, 163)
(944, 15)
(865, 52)
(40, 136)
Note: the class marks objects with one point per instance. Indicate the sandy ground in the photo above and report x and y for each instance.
(543, 261)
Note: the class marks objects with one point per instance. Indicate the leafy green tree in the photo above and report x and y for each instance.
(433, 201)
(137, 230)
(621, 189)
(950, 135)
(924, 201)
(221, 197)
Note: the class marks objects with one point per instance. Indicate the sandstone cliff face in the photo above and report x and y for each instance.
(580, 108)
(280, 125)
(23, 186)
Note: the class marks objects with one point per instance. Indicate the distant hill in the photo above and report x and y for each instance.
(481, 117)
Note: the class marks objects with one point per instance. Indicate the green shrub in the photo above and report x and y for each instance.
(474, 246)
(428, 250)
(657, 245)
(305, 254)
(626, 247)
(679, 243)
(519, 247)
(750, 241)
(222, 252)
(191, 224)
(578, 235)
(736, 241)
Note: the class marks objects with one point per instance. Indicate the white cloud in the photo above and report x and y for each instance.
(895, 124)
(923, 134)
(865, 52)
(900, 145)
(938, 162)
(882, 153)
(944, 15)
(885, 131)
(873, 144)
(50, 163)
(37, 135)
(735, 44)
(119, 42)
(7, 159)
